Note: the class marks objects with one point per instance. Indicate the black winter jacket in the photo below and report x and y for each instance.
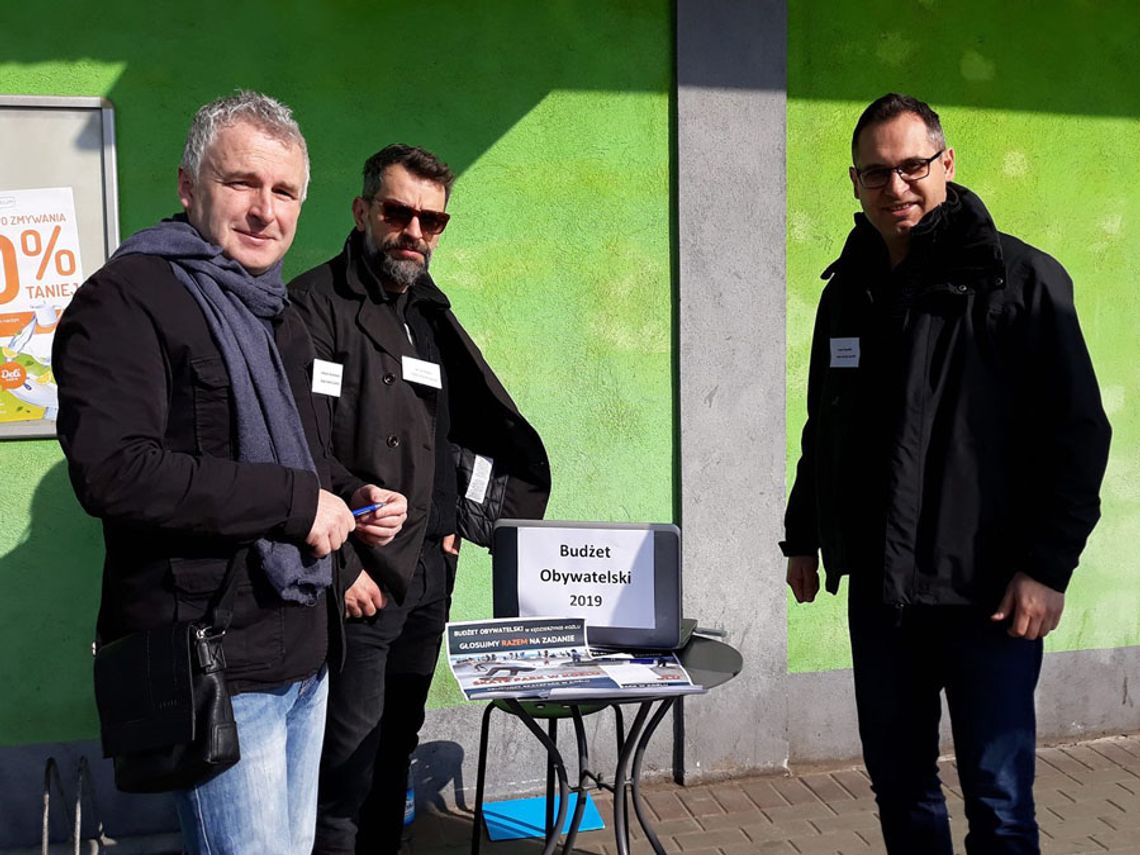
(147, 426)
(955, 433)
(379, 429)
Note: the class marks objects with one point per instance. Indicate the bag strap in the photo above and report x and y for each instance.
(221, 610)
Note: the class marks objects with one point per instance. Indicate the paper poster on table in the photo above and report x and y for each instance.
(551, 657)
(40, 269)
(603, 575)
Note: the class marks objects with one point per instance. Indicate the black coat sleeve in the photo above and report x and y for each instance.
(113, 368)
(1067, 431)
(801, 525)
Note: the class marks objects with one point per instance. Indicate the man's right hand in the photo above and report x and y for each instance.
(364, 598)
(332, 526)
(803, 577)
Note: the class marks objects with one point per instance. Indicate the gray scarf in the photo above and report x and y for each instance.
(239, 309)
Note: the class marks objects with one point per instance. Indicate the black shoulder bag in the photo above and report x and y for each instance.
(164, 711)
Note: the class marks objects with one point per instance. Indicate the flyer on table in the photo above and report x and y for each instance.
(550, 657)
(40, 269)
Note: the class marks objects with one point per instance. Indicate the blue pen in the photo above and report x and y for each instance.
(359, 512)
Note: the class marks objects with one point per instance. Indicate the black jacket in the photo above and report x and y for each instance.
(146, 423)
(966, 439)
(379, 429)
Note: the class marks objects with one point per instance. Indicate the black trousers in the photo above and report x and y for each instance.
(368, 741)
(902, 661)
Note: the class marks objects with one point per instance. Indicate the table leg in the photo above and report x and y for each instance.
(621, 778)
(552, 732)
(639, 755)
(619, 724)
(480, 780)
(619, 727)
(559, 768)
(580, 790)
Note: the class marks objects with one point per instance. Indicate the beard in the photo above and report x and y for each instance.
(401, 272)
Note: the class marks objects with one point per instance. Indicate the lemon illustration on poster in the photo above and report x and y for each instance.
(40, 268)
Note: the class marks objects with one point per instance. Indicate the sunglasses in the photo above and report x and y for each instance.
(400, 216)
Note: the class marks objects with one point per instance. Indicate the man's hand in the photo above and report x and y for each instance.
(332, 525)
(364, 598)
(1034, 609)
(803, 577)
(450, 543)
(378, 527)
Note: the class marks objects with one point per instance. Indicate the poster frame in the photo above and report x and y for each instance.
(13, 107)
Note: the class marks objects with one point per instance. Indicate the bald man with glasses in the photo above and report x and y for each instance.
(951, 466)
(414, 403)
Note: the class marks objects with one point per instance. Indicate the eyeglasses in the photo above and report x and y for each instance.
(400, 216)
(914, 169)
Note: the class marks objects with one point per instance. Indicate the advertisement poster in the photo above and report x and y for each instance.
(40, 269)
(551, 658)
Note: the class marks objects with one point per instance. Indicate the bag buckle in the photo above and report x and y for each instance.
(208, 648)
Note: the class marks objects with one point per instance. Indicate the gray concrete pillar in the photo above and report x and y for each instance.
(731, 96)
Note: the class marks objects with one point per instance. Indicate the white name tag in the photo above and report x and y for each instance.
(327, 377)
(845, 353)
(421, 371)
(480, 479)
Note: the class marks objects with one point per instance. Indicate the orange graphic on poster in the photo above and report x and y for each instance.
(12, 375)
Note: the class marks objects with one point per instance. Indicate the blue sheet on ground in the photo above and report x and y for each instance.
(517, 818)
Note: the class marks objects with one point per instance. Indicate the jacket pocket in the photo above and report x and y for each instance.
(256, 638)
(197, 577)
(212, 412)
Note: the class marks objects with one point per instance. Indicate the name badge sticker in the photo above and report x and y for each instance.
(845, 353)
(327, 377)
(421, 371)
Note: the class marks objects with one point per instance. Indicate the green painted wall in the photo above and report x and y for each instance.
(1041, 104)
(556, 114)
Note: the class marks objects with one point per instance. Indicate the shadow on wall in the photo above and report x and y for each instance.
(1067, 56)
(51, 583)
(359, 74)
(438, 769)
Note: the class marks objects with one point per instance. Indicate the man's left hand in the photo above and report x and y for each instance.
(1034, 609)
(450, 543)
(379, 527)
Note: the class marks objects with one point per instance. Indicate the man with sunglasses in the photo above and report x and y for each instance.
(413, 403)
(951, 466)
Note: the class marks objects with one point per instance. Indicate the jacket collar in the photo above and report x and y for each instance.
(377, 322)
(957, 240)
(364, 283)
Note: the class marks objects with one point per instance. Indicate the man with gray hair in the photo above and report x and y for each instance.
(190, 428)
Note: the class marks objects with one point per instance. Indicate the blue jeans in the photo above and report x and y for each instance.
(267, 803)
(903, 658)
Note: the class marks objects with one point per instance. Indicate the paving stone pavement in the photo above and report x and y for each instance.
(1088, 801)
